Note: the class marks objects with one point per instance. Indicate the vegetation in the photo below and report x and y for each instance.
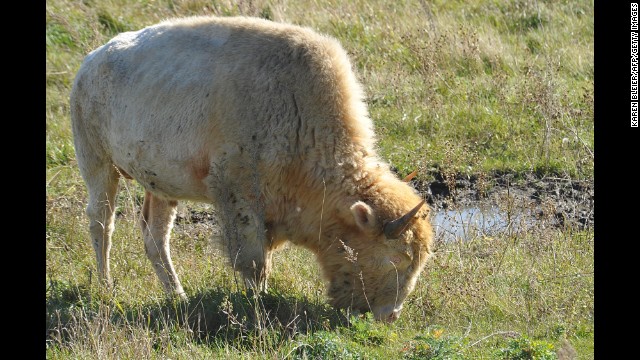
(453, 87)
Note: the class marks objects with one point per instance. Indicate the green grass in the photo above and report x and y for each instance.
(452, 87)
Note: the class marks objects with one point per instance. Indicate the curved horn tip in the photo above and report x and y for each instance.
(393, 229)
(410, 176)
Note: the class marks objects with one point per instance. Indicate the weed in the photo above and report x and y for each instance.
(364, 331)
(525, 348)
(433, 346)
(324, 345)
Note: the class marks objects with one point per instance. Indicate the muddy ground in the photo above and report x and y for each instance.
(563, 201)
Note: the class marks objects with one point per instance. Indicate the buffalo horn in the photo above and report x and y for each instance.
(393, 229)
(410, 176)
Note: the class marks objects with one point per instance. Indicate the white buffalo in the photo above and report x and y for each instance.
(264, 120)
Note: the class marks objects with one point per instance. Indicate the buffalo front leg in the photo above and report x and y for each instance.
(157, 221)
(245, 240)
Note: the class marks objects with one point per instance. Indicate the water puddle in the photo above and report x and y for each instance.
(472, 222)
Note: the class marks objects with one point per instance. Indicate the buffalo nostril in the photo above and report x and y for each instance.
(393, 316)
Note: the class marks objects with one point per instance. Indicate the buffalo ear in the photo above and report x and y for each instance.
(363, 215)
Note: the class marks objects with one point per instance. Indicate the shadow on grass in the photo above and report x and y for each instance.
(211, 316)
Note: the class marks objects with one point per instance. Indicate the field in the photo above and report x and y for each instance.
(474, 91)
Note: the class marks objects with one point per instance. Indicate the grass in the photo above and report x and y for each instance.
(475, 298)
(453, 88)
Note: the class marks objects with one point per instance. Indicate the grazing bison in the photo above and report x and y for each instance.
(267, 122)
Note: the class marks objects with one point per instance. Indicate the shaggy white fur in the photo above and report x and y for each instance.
(265, 120)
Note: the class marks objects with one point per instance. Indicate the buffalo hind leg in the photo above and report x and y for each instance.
(157, 221)
(102, 185)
